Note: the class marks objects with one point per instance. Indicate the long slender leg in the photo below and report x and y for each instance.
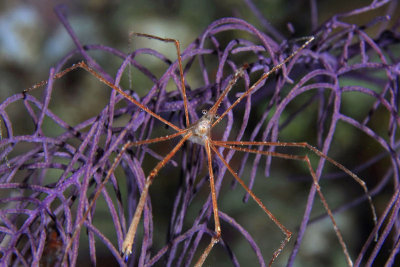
(239, 73)
(260, 80)
(84, 66)
(284, 230)
(130, 236)
(217, 225)
(315, 181)
(311, 148)
(312, 172)
(110, 171)
(178, 52)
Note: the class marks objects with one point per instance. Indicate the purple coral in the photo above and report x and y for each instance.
(344, 82)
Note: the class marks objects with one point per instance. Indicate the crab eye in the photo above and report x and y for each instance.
(204, 112)
(216, 116)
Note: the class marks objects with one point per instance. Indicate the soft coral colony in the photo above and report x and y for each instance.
(39, 213)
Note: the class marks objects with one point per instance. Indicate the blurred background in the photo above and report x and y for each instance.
(32, 40)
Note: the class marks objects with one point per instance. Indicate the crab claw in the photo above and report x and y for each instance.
(126, 252)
